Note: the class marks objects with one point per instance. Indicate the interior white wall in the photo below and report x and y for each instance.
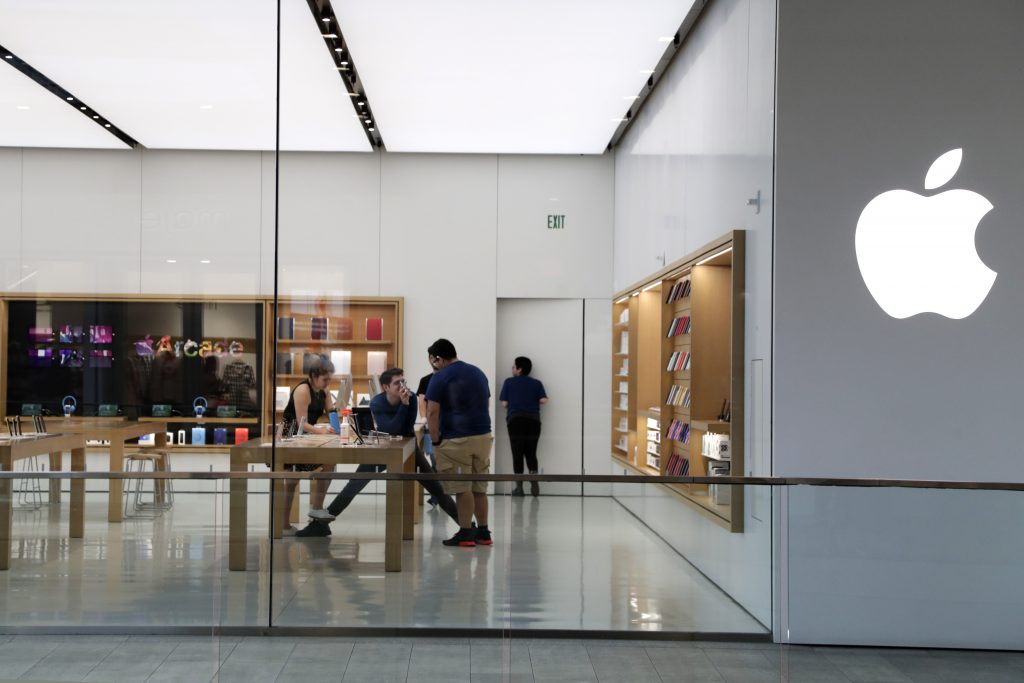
(198, 206)
(10, 217)
(80, 220)
(573, 262)
(700, 148)
(558, 363)
(597, 408)
(861, 394)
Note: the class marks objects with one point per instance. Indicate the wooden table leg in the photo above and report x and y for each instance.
(410, 489)
(115, 501)
(77, 512)
(6, 510)
(394, 523)
(56, 465)
(238, 519)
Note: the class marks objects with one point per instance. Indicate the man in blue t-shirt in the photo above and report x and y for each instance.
(394, 412)
(459, 420)
(523, 396)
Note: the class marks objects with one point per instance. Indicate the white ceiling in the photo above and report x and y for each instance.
(31, 116)
(532, 76)
(452, 76)
(190, 74)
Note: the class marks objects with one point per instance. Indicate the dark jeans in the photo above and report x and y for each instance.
(436, 490)
(523, 434)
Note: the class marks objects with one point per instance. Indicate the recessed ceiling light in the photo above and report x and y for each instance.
(343, 63)
(372, 129)
(339, 49)
(82, 108)
(23, 107)
(326, 20)
(106, 125)
(330, 35)
(368, 121)
(70, 99)
(354, 94)
(9, 57)
(95, 116)
(666, 39)
(361, 104)
(205, 260)
(170, 260)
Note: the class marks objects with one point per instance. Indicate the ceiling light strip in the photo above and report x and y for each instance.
(69, 99)
(334, 39)
(672, 48)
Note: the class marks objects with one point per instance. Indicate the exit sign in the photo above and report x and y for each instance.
(556, 221)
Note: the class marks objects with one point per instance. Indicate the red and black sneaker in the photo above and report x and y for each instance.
(483, 536)
(464, 538)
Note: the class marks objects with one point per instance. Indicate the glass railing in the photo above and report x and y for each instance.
(197, 551)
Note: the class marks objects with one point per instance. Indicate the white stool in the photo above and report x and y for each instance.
(162, 491)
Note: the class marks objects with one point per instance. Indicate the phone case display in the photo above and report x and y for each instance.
(376, 362)
(318, 329)
(286, 328)
(342, 362)
(678, 341)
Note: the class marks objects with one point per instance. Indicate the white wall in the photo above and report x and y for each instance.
(698, 150)
(10, 216)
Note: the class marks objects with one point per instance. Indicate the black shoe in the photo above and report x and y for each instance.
(463, 538)
(534, 487)
(483, 536)
(314, 530)
(518, 490)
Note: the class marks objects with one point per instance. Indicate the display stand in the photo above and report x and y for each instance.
(678, 361)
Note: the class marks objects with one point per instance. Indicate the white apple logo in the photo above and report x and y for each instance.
(916, 253)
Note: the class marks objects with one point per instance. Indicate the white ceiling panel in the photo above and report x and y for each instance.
(190, 74)
(533, 76)
(31, 116)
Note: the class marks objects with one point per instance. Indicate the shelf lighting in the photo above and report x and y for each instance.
(636, 293)
(651, 286)
(623, 300)
(703, 261)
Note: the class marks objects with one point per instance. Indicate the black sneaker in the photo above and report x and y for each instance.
(314, 530)
(483, 536)
(463, 538)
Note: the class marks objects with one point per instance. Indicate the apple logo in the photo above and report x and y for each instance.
(916, 252)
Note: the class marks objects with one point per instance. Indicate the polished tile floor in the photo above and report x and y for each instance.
(156, 659)
(557, 563)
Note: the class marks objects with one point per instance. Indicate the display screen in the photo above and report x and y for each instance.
(133, 355)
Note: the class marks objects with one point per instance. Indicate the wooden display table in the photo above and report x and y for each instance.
(13, 449)
(116, 431)
(398, 455)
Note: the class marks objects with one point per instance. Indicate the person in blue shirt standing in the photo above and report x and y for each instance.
(394, 412)
(522, 397)
(459, 420)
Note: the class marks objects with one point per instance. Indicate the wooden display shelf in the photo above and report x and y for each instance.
(337, 342)
(715, 306)
(711, 426)
(202, 420)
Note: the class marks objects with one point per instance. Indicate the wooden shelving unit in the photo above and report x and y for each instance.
(345, 331)
(706, 323)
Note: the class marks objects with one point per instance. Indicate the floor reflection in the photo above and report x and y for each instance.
(557, 563)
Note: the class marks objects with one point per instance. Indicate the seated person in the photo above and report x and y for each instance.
(394, 411)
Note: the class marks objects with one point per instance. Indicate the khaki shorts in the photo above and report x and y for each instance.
(465, 455)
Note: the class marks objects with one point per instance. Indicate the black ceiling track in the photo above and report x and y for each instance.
(327, 24)
(68, 98)
(659, 70)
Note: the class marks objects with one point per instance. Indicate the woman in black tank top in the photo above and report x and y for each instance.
(312, 400)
